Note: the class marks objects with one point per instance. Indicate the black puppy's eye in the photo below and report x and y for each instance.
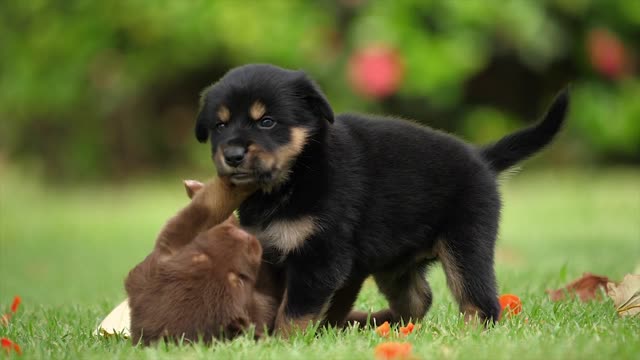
(220, 126)
(266, 123)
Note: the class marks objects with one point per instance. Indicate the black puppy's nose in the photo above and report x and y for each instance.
(233, 155)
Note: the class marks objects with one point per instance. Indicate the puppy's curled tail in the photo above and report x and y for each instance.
(523, 143)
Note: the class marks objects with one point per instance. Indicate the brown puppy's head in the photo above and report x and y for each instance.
(259, 118)
(204, 290)
(220, 272)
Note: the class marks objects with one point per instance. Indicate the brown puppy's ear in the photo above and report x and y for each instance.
(310, 92)
(192, 187)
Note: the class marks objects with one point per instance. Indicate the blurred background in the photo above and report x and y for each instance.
(98, 101)
(106, 90)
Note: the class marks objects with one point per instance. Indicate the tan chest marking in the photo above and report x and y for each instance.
(286, 235)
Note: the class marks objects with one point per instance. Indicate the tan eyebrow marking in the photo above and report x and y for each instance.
(224, 114)
(257, 110)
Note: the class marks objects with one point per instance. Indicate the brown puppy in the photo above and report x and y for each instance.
(201, 284)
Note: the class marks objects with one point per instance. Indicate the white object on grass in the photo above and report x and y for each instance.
(117, 322)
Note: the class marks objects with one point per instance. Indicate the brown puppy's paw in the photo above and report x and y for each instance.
(287, 327)
(192, 187)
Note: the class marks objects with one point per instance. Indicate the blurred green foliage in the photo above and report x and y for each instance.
(93, 88)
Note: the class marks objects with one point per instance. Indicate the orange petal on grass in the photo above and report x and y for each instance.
(392, 350)
(384, 329)
(9, 345)
(406, 330)
(510, 303)
(16, 347)
(16, 303)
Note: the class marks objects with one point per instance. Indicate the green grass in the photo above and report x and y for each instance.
(66, 252)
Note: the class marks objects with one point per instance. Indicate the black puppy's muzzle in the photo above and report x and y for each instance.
(234, 155)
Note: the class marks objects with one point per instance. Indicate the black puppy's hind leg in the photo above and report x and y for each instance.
(467, 254)
(408, 293)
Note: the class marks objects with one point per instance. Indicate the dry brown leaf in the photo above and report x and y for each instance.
(586, 288)
(626, 295)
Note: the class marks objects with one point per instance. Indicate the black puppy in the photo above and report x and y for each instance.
(357, 195)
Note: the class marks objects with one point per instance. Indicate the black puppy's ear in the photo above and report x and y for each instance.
(314, 97)
(201, 131)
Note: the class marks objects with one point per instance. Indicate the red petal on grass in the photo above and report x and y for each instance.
(392, 350)
(384, 329)
(406, 330)
(16, 303)
(9, 345)
(586, 288)
(510, 303)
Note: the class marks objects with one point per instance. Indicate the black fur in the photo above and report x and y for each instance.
(515, 147)
(389, 196)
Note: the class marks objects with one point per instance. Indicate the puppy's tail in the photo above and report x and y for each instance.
(523, 143)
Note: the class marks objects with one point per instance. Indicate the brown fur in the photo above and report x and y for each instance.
(203, 283)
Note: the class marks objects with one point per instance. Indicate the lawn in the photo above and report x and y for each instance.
(67, 250)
